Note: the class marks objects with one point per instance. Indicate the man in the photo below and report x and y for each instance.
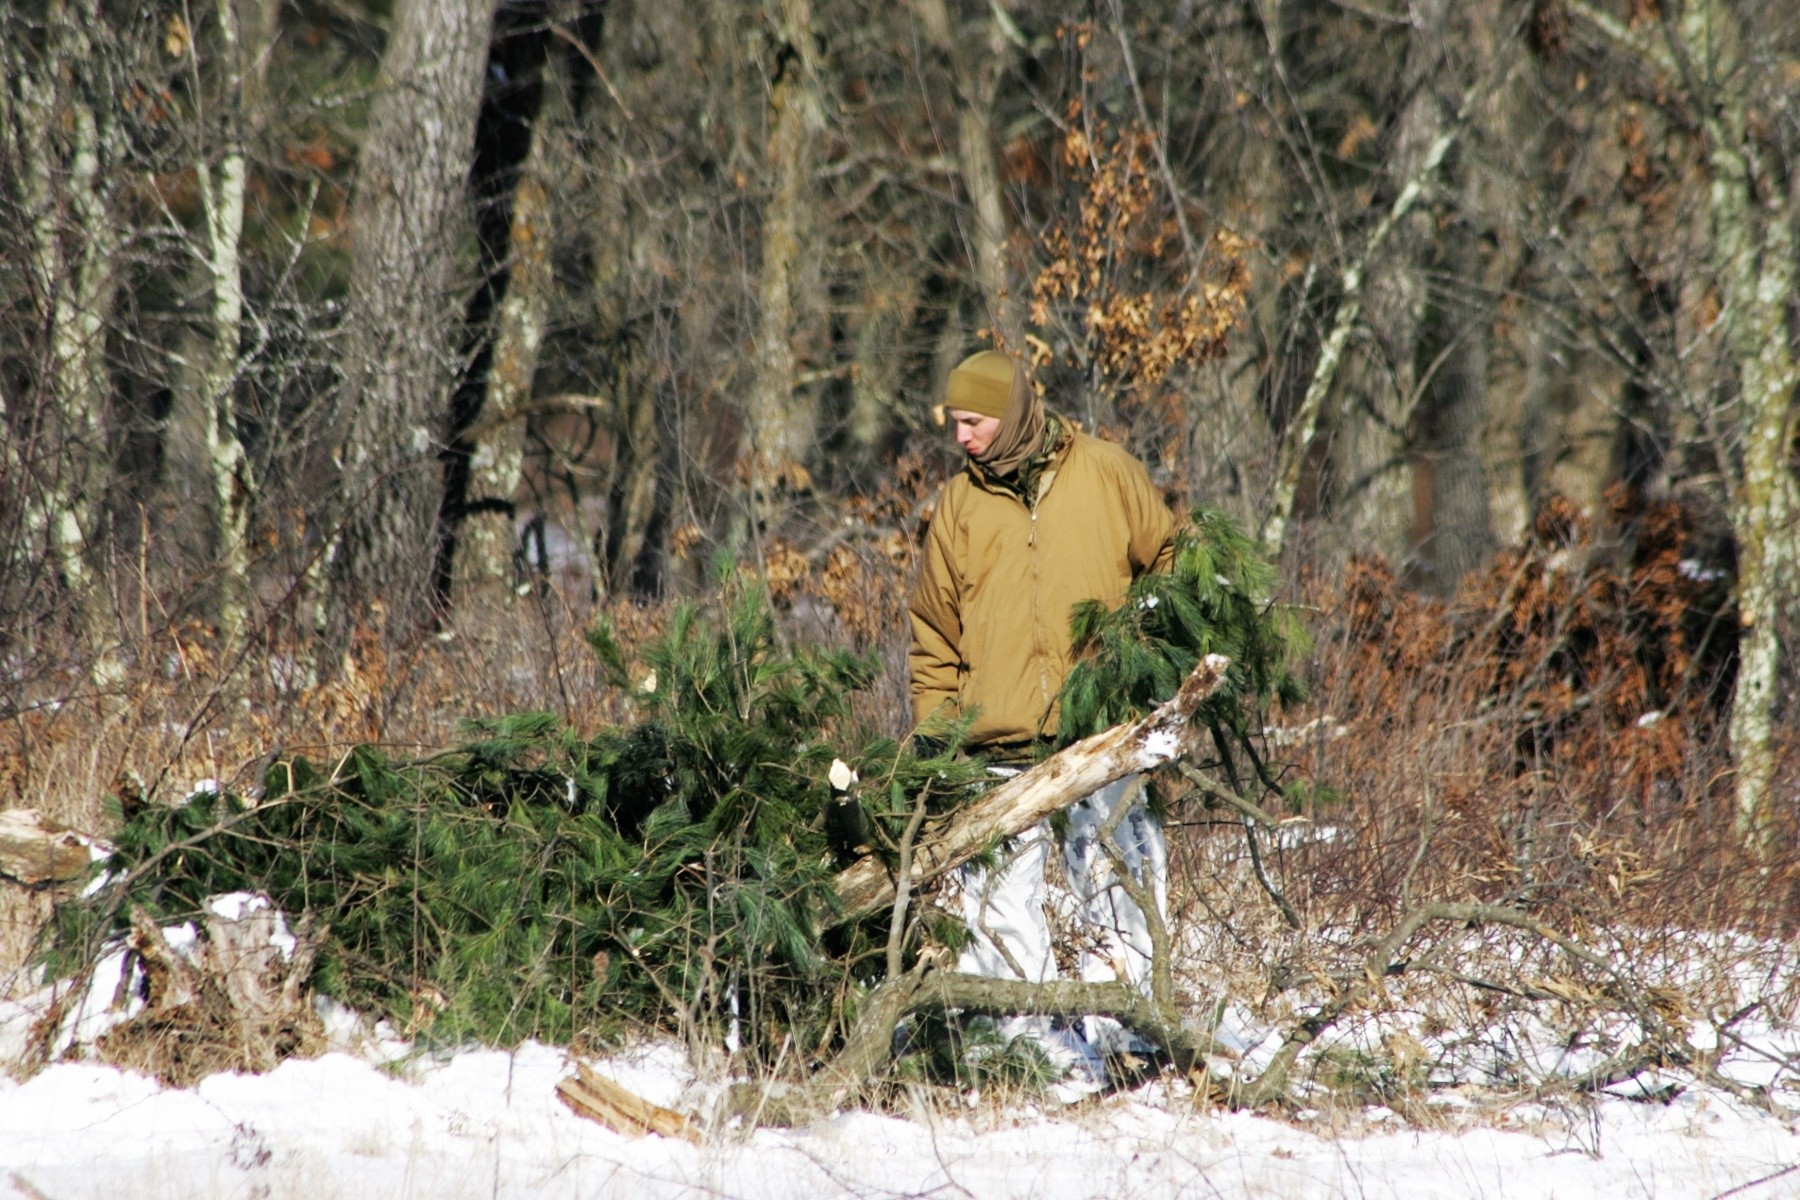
(1042, 517)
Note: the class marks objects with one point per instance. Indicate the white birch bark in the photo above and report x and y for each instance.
(1751, 253)
(228, 466)
(485, 557)
(63, 141)
(1754, 261)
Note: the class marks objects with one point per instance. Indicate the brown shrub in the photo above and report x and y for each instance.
(1551, 738)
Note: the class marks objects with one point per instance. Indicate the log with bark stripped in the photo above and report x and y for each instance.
(1054, 784)
(600, 1099)
(37, 853)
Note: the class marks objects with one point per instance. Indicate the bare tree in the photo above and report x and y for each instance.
(782, 419)
(222, 195)
(399, 340)
(64, 146)
(1701, 47)
(977, 55)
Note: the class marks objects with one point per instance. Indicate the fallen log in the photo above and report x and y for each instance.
(38, 853)
(600, 1099)
(868, 885)
(870, 1046)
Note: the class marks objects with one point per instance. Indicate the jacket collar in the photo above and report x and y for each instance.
(1030, 482)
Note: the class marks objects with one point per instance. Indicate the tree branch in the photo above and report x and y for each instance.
(1016, 805)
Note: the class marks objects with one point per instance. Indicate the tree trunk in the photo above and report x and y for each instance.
(637, 453)
(1257, 384)
(781, 419)
(889, 298)
(64, 147)
(228, 465)
(37, 853)
(506, 136)
(408, 218)
(1753, 258)
(498, 456)
(976, 77)
(1752, 261)
(1452, 524)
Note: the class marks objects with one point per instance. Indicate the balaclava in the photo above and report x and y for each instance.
(997, 385)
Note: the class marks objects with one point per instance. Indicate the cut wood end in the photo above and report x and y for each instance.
(601, 1100)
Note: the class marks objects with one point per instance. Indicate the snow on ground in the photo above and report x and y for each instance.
(488, 1124)
(374, 1119)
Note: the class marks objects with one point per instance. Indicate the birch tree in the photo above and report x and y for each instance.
(499, 447)
(222, 196)
(1700, 50)
(63, 142)
(506, 172)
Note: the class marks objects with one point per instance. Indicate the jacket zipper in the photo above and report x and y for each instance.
(1037, 623)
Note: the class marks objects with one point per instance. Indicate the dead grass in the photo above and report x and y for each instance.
(186, 714)
(1550, 740)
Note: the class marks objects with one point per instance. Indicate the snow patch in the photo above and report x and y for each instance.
(1161, 744)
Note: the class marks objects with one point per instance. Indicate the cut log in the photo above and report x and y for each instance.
(1059, 781)
(38, 853)
(600, 1099)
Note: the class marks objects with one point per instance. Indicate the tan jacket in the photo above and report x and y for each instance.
(990, 613)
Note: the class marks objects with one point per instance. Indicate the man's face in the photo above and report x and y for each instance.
(974, 432)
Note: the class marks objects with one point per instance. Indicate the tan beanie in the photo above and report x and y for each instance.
(981, 383)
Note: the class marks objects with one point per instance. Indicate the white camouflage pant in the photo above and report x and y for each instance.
(1004, 906)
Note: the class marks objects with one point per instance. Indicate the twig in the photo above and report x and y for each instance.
(1620, 1068)
(1356, 991)
(1249, 808)
(1253, 815)
(593, 62)
(903, 888)
(1740, 1188)
(30, 1190)
(1427, 827)
(1262, 877)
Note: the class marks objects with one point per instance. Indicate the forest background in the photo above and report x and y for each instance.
(354, 355)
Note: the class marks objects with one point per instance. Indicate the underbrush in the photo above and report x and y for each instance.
(187, 712)
(1528, 789)
(1491, 848)
(1552, 738)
